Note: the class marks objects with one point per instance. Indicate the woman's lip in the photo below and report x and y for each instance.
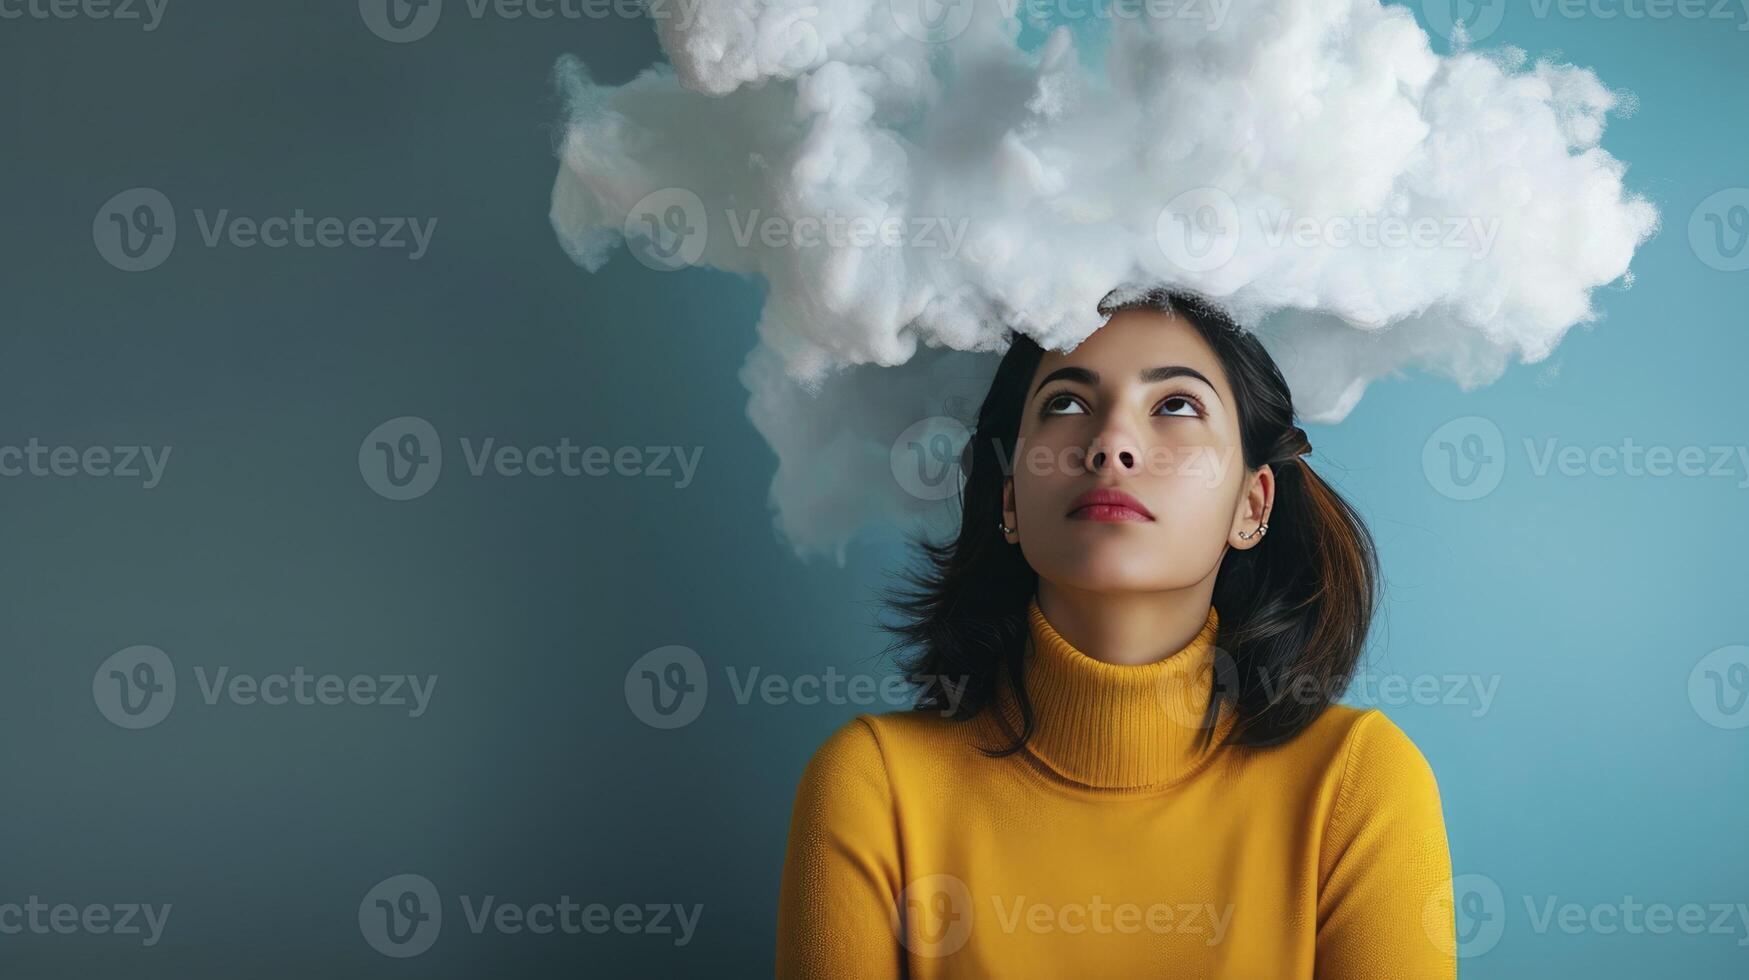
(1107, 512)
(1108, 504)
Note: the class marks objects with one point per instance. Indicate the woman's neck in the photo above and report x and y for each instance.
(1127, 628)
(1126, 727)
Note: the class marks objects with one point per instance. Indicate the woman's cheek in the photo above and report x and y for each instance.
(1194, 517)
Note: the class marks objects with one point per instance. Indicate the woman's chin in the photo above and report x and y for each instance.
(1120, 566)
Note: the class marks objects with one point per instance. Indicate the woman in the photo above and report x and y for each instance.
(1126, 760)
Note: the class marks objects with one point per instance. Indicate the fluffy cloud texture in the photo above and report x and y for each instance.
(915, 179)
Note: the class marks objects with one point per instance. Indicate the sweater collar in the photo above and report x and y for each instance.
(1116, 726)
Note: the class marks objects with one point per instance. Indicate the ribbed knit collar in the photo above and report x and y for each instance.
(1116, 726)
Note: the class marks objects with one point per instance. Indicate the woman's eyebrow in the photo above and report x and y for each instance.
(1151, 375)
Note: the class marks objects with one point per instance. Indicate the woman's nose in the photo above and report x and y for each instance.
(1116, 454)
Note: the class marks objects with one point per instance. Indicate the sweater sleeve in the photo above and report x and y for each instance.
(836, 909)
(1385, 895)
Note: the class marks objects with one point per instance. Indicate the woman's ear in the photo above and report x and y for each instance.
(1253, 509)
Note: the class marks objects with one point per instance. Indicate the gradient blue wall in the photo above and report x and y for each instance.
(1581, 604)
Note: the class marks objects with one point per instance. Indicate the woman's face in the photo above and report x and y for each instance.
(1141, 408)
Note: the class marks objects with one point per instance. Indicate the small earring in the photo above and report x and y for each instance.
(1005, 528)
(1261, 530)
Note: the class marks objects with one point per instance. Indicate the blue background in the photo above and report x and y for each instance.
(1589, 599)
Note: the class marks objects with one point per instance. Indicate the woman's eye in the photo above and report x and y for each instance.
(1184, 406)
(1066, 401)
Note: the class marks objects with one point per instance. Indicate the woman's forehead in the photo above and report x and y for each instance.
(1134, 339)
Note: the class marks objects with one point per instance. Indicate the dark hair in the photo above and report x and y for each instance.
(1293, 611)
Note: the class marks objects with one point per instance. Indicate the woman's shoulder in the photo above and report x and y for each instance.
(1349, 757)
(1343, 734)
(873, 742)
(1367, 761)
(891, 731)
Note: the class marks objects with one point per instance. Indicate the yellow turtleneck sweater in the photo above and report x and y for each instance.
(1113, 846)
